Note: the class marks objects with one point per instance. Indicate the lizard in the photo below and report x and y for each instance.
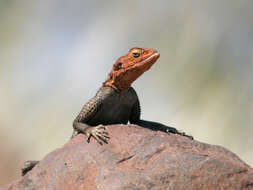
(116, 102)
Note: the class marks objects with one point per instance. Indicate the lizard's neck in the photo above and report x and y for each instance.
(105, 91)
(120, 87)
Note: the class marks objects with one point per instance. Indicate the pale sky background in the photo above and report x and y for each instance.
(55, 54)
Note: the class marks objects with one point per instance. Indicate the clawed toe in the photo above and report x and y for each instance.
(172, 130)
(185, 135)
(101, 138)
(189, 136)
(175, 131)
(99, 133)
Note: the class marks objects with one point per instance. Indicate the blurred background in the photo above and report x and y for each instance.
(55, 54)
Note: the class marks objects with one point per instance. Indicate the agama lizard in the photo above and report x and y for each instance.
(116, 102)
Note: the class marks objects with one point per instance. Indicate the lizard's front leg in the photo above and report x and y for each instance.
(98, 132)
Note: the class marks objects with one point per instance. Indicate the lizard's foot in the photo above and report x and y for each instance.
(175, 131)
(28, 165)
(99, 133)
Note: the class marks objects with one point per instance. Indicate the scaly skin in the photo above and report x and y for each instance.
(116, 102)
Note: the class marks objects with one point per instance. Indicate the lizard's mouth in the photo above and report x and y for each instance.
(149, 61)
(132, 73)
(153, 57)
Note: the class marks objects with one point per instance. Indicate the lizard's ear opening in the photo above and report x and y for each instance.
(118, 66)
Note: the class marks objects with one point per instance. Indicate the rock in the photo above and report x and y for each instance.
(137, 159)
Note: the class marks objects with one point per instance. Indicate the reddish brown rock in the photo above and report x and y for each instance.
(138, 159)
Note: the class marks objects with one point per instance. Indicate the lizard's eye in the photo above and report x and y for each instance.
(119, 66)
(136, 54)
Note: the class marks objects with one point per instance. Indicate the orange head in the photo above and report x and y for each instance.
(130, 66)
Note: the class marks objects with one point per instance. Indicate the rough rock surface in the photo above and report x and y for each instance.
(136, 159)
